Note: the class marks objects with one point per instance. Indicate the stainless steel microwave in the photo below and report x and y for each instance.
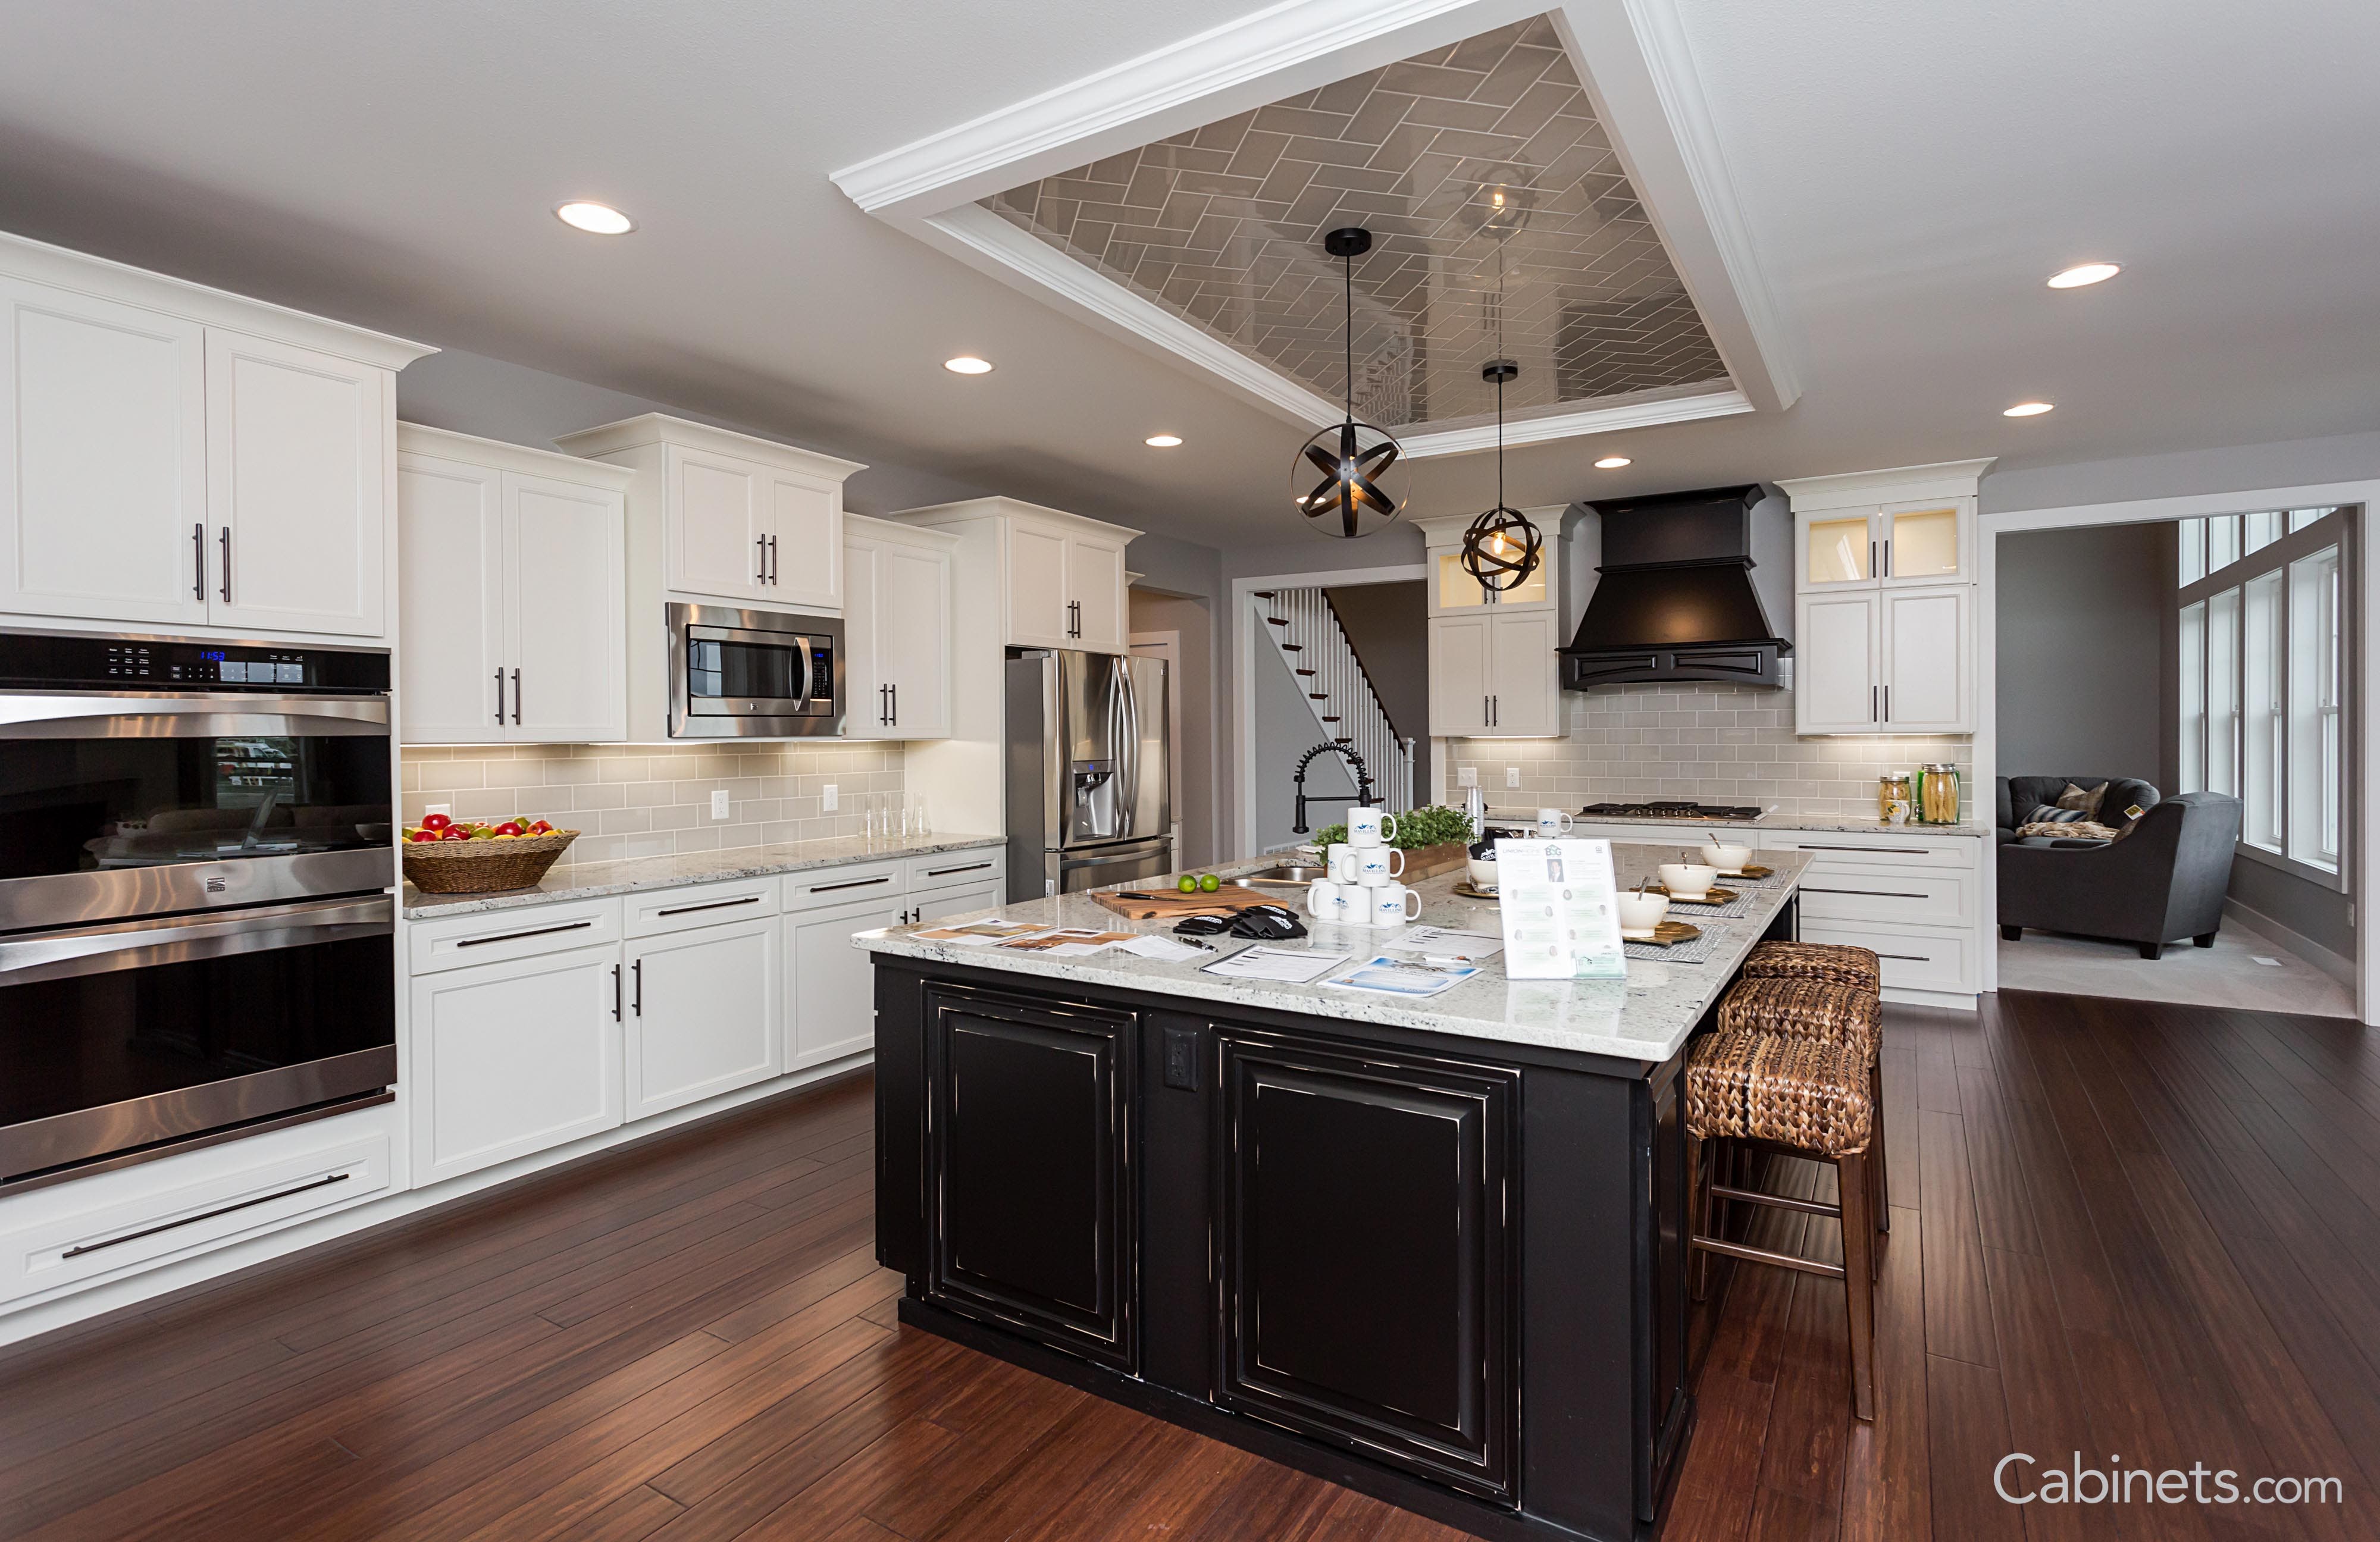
(753, 675)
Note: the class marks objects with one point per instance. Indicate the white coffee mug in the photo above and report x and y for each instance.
(1640, 913)
(1378, 865)
(1687, 881)
(1553, 823)
(1369, 827)
(1338, 861)
(1329, 901)
(1389, 904)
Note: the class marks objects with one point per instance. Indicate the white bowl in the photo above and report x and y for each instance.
(1726, 856)
(1483, 872)
(1687, 881)
(1640, 913)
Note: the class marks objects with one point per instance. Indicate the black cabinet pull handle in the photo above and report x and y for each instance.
(198, 562)
(1870, 851)
(499, 699)
(1887, 557)
(209, 1215)
(854, 883)
(708, 904)
(638, 1007)
(1872, 571)
(616, 993)
(895, 689)
(1873, 893)
(969, 867)
(226, 564)
(516, 696)
(1887, 703)
(761, 574)
(516, 936)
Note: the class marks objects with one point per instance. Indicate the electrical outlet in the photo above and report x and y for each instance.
(1512, 776)
(719, 802)
(1466, 776)
(445, 808)
(828, 799)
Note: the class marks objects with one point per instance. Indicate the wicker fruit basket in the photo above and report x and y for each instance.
(482, 867)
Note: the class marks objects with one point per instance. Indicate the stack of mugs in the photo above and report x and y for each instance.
(1359, 886)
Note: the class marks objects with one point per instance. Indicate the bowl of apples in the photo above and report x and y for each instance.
(480, 857)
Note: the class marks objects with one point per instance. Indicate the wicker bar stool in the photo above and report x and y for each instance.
(1804, 1007)
(1828, 963)
(1803, 1098)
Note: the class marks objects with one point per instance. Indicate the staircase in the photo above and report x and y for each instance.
(1306, 631)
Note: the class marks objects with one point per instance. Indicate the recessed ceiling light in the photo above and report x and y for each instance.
(2027, 409)
(967, 364)
(1162, 441)
(596, 219)
(1611, 463)
(2082, 273)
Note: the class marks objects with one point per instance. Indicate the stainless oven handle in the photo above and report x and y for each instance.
(141, 944)
(136, 715)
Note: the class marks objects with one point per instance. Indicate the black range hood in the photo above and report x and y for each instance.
(1675, 599)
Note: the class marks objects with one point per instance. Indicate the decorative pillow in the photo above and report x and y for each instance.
(2075, 797)
(2070, 830)
(2044, 813)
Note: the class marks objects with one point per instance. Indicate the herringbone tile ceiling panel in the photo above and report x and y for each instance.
(1492, 194)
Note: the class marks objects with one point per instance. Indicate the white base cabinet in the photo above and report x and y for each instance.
(830, 988)
(702, 1017)
(514, 1058)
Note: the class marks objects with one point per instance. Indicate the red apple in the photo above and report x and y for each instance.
(435, 822)
(454, 832)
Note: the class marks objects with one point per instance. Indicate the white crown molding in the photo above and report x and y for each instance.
(1289, 47)
(1632, 55)
(420, 439)
(1571, 425)
(1895, 484)
(660, 427)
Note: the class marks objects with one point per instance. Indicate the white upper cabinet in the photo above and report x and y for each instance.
(1459, 670)
(896, 626)
(1494, 669)
(1062, 577)
(514, 595)
(1885, 597)
(730, 519)
(103, 460)
(172, 454)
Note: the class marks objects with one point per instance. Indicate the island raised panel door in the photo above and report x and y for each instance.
(513, 1059)
(718, 522)
(1038, 616)
(1363, 1205)
(914, 636)
(1030, 1171)
(1459, 675)
(102, 458)
(702, 1014)
(297, 473)
(830, 988)
(450, 554)
(567, 612)
(1095, 585)
(1835, 658)
(805, 531)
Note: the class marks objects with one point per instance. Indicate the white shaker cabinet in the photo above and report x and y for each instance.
(897, 591)
(702, 1013)
(1929, 667)
(514, 1058)
(1062, 577)
(1459, 671)
(513, 590)
(1839, 673)
(297, 486)
(830, 986)
(102, 458)
(1494, 674)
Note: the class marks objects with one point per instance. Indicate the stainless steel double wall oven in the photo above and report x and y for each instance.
(196, 921)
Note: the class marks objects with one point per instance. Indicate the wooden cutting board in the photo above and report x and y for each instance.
(1167, 905)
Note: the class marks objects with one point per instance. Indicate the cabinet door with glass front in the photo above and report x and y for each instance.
(1453, 591)
(1898, 545)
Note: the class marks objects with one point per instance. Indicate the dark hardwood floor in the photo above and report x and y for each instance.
(2118, 1227)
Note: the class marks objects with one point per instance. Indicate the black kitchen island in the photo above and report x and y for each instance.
(1433, 1250)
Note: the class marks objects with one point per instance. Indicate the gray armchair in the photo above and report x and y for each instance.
(2160, 883)
(2020, 795)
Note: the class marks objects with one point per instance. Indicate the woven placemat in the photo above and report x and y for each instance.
(1698, 951)
(1698, 914)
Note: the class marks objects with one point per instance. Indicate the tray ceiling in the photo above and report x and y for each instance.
(1492, 193)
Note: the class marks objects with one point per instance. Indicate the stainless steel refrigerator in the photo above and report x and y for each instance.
(1089, 802)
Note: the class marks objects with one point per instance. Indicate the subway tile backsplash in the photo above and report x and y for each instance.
(1713, 744)
(654, 800)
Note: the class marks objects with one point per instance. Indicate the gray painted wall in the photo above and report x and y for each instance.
(1285, 730)
(2083, 618)
(1194, 800)
(1388, 626)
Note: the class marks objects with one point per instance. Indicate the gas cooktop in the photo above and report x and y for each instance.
(1673, 808)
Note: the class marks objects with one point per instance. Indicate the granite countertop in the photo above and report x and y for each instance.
(584, 881)
(1647, 1017)
(1839, 823)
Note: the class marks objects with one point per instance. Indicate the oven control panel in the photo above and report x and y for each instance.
(103, 663)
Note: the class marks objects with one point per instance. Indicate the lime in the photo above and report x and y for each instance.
(1210, 883)
(1188, 885)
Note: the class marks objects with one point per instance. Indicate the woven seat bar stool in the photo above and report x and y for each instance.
(1803, 1007)
(1797, 1096)
(1828, 963)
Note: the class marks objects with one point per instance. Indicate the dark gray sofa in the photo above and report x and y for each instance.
(2020, 795)
(2160, 883)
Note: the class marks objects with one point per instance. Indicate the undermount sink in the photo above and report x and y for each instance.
(1287, 874)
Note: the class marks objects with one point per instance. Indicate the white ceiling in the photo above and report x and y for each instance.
(1910, 174)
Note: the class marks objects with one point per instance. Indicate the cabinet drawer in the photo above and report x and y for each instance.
(1846, 890)
(1895, 850)
(498, 935)
(842, 885)
(702, 904)
(124, 1221)
(956, 866)
(1911, 958)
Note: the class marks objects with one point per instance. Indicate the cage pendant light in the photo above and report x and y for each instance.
(1501, 548)
(1356, 495)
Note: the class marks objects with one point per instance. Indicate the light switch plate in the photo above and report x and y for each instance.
(1466, 776)
(1512, 776)
(828, 799)
(719, 802)
(445, 808)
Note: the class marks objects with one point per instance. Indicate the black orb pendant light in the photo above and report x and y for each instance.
(1354, 496)
(1501, 548)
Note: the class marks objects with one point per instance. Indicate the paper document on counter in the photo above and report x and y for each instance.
(1070, 942)
(1164, 950)
(1561, 921)
(1465, 946)
(979, 934)
(1404, 976)
(1288, 966)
